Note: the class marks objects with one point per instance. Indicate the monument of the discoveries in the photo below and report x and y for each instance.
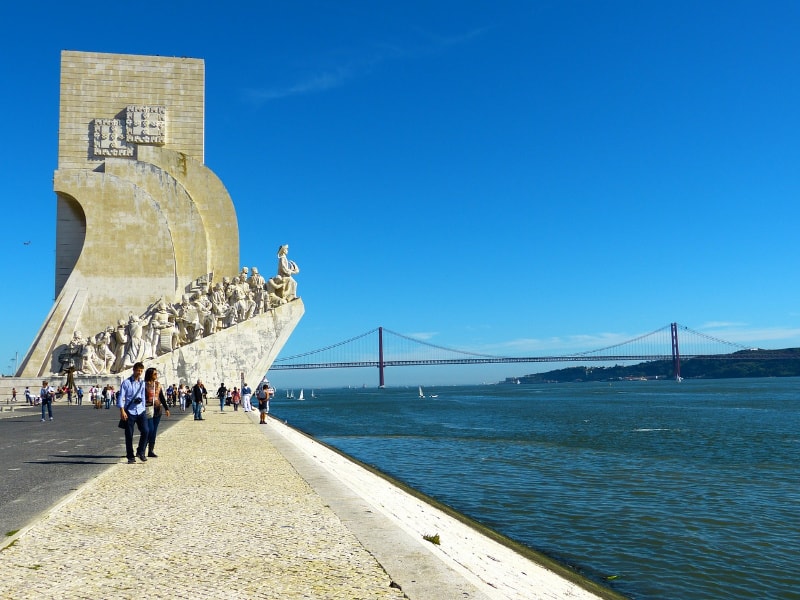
(147, 242)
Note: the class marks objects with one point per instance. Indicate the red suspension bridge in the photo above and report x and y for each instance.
(381, 348)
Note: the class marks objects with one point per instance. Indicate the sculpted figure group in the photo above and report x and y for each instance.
(205, 308)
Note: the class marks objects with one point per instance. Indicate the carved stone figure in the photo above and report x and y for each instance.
(134, 349)
(70, 357)
(188, 321)
(102, 350)
(162, 329)
(90, 365)
(283, 288)
(208, 319)
(256, 281)
(120, 342)
(220, 304)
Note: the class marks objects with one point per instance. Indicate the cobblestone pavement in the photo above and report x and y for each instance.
(220, 514)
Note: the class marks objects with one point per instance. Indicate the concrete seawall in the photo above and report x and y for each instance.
(234, 509)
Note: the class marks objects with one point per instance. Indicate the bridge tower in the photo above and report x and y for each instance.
(380, 357)
(676, 356)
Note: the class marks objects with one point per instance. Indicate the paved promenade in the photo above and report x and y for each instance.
(234, 509)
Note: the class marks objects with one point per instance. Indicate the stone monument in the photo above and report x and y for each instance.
(147, 238)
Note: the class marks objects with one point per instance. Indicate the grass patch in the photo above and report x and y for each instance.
(433, 539)
(12, 532)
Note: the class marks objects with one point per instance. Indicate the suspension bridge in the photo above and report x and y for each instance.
(381, 348)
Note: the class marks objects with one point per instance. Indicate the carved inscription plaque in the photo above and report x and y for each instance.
(109, 138)
(145, 124)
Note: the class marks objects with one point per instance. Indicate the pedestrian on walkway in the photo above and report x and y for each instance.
(13, 394)
(132, 411)
(247, 394)
(263, 403)
(156, 405)
(28, 397)
(198, 394)
(236, 397)
(222, 394)
(46, 395)
(182, 393)
(80, 396)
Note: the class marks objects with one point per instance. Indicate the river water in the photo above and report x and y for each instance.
(659, 489)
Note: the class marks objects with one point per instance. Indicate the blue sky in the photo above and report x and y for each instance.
(502, 177)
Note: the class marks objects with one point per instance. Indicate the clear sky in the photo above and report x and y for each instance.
(515, 178)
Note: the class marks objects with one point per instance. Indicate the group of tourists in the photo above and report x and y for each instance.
(142, 401)
(244, 397)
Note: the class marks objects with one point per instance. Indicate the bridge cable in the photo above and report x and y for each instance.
(352, 339)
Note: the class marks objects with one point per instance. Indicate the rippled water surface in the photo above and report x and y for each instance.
(676, 490)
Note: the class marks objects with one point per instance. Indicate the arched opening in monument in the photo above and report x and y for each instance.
(70, 236)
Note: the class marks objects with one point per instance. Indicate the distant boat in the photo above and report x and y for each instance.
(287, 394)
(421, 395)
(312, 394)
(301, 397)
(291, 394)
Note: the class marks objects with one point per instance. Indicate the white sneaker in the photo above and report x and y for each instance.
(51, 418)
(42, 420)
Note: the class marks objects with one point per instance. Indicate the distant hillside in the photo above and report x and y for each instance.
(745, 363)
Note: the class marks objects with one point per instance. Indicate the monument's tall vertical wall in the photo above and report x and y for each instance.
(98, 86)
(139, 215)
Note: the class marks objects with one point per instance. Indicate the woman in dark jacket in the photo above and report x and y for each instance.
(155, 404)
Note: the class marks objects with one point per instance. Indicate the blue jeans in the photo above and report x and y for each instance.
(198, 410)
(141, 421)
(49, 405)
(151, 439)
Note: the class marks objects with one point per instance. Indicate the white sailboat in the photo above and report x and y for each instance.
(313, 395)
(421, 395)
(301, 397)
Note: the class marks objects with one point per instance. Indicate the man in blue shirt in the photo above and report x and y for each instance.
(132, 410)
(247, 394)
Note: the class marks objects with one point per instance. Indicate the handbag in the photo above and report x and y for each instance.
(151, 397)
(122, 424)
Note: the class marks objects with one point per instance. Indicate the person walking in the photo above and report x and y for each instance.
(80, 396)
(263, 403)
(247, 394)
(132, 411)
(198, 392)
(47, 394)
(235, 398)
(222, 394)
(155, 404)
